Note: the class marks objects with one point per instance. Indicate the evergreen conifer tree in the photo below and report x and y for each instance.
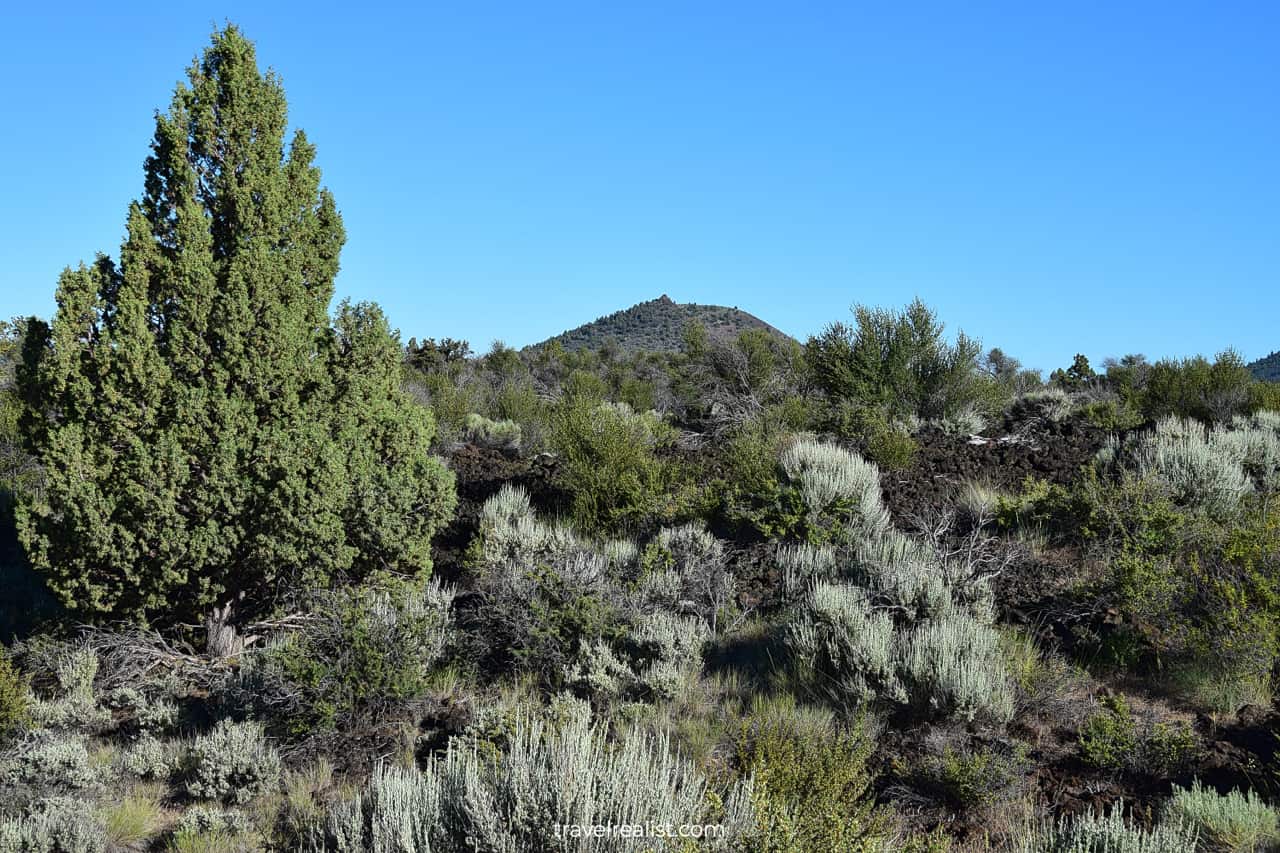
(205, 430)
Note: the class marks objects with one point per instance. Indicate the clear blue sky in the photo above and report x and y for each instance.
(1103, 177)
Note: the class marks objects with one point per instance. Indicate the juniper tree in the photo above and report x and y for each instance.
(205, 429)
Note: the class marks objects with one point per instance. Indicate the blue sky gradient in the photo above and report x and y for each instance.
(1053, 178)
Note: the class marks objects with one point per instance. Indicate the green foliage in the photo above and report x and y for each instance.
(609, 463)
(1049, 507)
(1235, 822)
(15, 699)
(1111, 415)
(487, 433)
(1211, 392)
(1112, 739)
(205, 428)
(885, 442)
(360, 648)
(812, 794)
(898, 362)
(1076, 377)
(659, 325)
(233, 763)
(973, 778)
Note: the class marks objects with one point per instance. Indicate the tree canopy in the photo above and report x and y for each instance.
(205, 429)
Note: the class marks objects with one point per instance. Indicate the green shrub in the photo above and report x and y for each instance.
(1112, 739)
(887, 443)
(233, 763)
(1197, 388)
(973, 778)
(486, 433)
(609, 463)
(1111, 415)
(1235, 822)
(1044, 506)
(812, 793)
(1109, 737)
(15, 698)
(360, 647)
(899, 362)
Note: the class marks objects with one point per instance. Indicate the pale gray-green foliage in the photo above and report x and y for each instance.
(1235, 822)
(48, 759)
(955, 667)
(76, 671)
(671, 648)
(824, 474)
(202, 819)
(1255, 443)
(75, 706)
(705, 585)
(1197, 470)
(802, 564)
(1109, 833)
(153, 715)
(963, 422)
(148, 758)
(489, 433)
(837, 632)
(599, 672)
(1053, 402)
(234, 763)
(470, 800)
(888, 618)
(664, 653)
(905, 573)
(54, 825)
(513, 540)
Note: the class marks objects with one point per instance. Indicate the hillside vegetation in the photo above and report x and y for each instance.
(272, 582)
(658, 326)
(1267, 369)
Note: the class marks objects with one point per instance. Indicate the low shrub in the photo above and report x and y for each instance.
(1109, 833)
(15, 699)
(53, 761)
(1200, 473)
(148, 758)
(1113, 739)
(54, 825)
(1235, 822)
(504, 435)
(885, 442)
(967, 778)
(840, 489)
(233, 763)
(547, 781)
(811, 793)
(359, 649)
(609, 463)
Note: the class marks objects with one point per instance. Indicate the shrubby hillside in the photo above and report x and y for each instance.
(658, 326)
(273, 582)
(1267, 369)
